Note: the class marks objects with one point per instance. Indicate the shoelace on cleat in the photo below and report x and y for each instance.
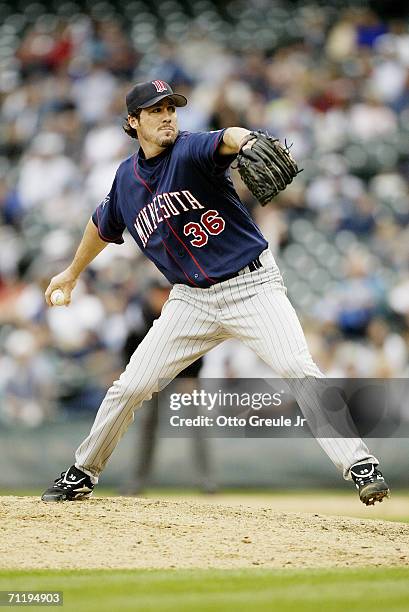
(59, 482)
(59, 479)
(362, 480)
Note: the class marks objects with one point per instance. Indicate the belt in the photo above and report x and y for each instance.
(251, 267)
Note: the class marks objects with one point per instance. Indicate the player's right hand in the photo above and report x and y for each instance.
(65, 281)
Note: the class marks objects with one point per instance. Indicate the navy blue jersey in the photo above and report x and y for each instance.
(183, 211)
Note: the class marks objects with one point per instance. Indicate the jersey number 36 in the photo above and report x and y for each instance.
(210, 224)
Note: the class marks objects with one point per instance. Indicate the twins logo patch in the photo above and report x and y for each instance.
(160, 86)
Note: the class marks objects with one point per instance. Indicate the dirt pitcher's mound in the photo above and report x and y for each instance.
(138, 533)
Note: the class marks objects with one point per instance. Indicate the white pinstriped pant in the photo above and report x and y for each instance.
(252, 307)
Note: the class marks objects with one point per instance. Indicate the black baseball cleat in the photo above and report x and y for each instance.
(369, 482)
(71, 485)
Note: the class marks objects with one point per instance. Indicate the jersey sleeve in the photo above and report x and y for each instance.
(204, 150)
(108, 219)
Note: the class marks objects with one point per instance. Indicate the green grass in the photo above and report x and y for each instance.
(221, 590)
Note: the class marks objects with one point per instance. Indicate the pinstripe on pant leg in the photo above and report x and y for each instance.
(181, 335)
(265, 320)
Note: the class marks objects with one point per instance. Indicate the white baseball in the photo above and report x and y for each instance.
(57, 297)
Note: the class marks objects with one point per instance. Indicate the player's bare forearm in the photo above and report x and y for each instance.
(232, 139)
(90, 246)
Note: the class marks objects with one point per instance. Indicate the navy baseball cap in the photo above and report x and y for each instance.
(147, 94)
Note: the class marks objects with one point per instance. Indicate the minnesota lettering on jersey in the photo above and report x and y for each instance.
(163, 206)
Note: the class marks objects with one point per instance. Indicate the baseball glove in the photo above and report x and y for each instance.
(267, 167)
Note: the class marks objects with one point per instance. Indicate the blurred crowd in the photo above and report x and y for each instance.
(332, 81)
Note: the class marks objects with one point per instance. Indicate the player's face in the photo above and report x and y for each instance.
(158, 124)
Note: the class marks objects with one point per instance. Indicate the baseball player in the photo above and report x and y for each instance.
(178, 202)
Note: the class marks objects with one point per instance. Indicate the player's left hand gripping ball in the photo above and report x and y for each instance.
(266, 167)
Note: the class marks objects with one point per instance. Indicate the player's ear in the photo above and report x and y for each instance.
(133, 121)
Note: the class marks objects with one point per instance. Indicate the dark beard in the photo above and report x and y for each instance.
(166, 141)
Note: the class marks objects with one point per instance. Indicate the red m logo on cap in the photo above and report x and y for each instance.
(160, 86)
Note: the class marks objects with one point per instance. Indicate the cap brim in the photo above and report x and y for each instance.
(178, 99)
